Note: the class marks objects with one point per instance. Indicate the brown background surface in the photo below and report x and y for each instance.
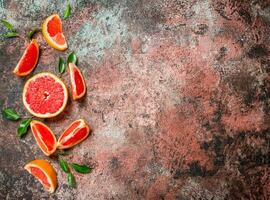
(177, 96)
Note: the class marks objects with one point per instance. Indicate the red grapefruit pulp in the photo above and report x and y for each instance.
(44, 137)
(29, 60)
(38, 173)
(43, 171)
(76, 132)
(77, 82)
(45, 95)
(53, 33)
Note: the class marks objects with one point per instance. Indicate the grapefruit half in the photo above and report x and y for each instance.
(43, 171)
(44, 137)
(45, 95)
(76, 132)
(77, 82)
(28, 60)
(53, 33)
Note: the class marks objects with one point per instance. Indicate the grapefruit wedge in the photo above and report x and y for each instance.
(77, 82)
(76, 132)
(28, 60)
(43, 171)
(44, 137)
(53, 33)
(45, 95)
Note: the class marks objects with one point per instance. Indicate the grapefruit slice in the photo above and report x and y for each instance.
(43, 171)
(53, 33)
(44, 137)
(76, 132)
(28, 60)
(77, 82)
(45, 95)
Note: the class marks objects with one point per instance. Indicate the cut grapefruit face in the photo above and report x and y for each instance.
(45, 95)
(53, 33)
(76, 132)
(43, 171)
(28, 60)
(76, 81)
(44, 137)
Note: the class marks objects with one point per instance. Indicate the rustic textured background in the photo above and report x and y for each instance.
(178, 99)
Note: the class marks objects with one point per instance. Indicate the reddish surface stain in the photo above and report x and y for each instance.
(178, 143)
(236, 120)
(108, 76)
(136, 45)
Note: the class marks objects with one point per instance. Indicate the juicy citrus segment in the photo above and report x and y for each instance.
(38, 173)
(28, 60)
(53, 33)
(54, 25)
(76, 132)
(45, 95)
(44, 137)
(43, 171)
(77, 82)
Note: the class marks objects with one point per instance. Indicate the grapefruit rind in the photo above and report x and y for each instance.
(71, 67)
(47, 153)
(16, 70)
(47, 169)
(48, 38)
(46, 115)
(83, 124)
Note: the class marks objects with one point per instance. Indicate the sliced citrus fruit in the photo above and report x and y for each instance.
(28, 60)
(44, 137)
(76, 132)
(53, 33)
(77, 82)
(44, 172)
(45, 95)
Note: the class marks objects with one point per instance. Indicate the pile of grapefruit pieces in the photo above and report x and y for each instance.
(45, 95)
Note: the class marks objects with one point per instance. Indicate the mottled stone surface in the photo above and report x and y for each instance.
(178, 99)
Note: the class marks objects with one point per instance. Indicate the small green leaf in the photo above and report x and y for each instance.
(61, 65)
(72, 58)
(67, 12)
(10, 35)
(81, 168)
(23, 127)
(33, 32)
(62, 153)
(8, 25)
(64, 166)
(71, 180)
(10, 114)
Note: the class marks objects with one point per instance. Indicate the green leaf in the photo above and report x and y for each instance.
(67, 12)
(10, 35)
(64, 166)
(8, 25)
(71, 180)
(81, 168)
(72, 58)
(33, 32)
(61, 65)
(10, 114)
(23, 127)
(62, 153)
